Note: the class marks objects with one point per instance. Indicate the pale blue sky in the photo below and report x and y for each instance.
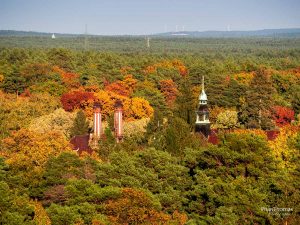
(146, 17)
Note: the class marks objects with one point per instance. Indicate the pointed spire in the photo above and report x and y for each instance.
(203, 97)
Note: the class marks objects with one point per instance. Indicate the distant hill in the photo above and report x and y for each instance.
(293, 32)
(16, 33)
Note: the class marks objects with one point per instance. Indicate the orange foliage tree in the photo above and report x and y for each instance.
(137, 207)
(124, 87)
(244, 77)
(169, 90)
(256, 132)
(118, 88)
(70, 80)
(167, 64)
(126, 70)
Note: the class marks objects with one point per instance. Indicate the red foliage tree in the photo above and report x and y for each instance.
(76, 100)
(283, 115)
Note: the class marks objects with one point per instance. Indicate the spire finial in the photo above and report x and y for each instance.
(202, 83)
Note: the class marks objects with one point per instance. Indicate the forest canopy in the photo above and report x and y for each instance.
(162, 172)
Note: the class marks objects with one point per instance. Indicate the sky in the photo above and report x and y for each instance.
(112, 17)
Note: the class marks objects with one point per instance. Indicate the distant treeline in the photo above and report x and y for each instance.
(165, 45)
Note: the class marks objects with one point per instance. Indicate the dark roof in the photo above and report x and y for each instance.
(80, 143)
(97, 105)
(213, 138)
(118, 103)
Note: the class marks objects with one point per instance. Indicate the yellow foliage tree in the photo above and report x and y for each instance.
(40, 215)
(27, 152)
(134, 108)
(107, 100)
(59, 121)
(214, 112)
(137, 108)
(281, 149)
(137, 127)
(244, 77)
(227, 120)
(16, 113)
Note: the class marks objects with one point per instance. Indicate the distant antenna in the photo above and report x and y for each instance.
(86, 38)
(148, 42)
(228, 27)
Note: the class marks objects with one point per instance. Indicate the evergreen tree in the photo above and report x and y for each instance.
(14, 83)
(215, 87)
(80, 125)
(106, 145)
(176, 136)
(259, 101)
(296, 98)
(232, 94)
(185, 102)
(155, 124)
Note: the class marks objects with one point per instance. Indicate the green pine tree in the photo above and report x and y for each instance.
(186, 103)
(155, 124)
(80, 125)
(259, 101)
(295, 92)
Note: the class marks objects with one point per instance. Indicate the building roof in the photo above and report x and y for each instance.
(213, 137)
(80, 143)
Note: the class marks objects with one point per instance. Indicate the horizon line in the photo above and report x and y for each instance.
(186, 31)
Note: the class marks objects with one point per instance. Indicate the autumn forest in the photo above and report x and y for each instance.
(162, 172)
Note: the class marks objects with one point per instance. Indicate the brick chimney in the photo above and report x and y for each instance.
(118, 121)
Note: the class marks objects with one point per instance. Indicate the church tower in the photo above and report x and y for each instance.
(202, 114)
